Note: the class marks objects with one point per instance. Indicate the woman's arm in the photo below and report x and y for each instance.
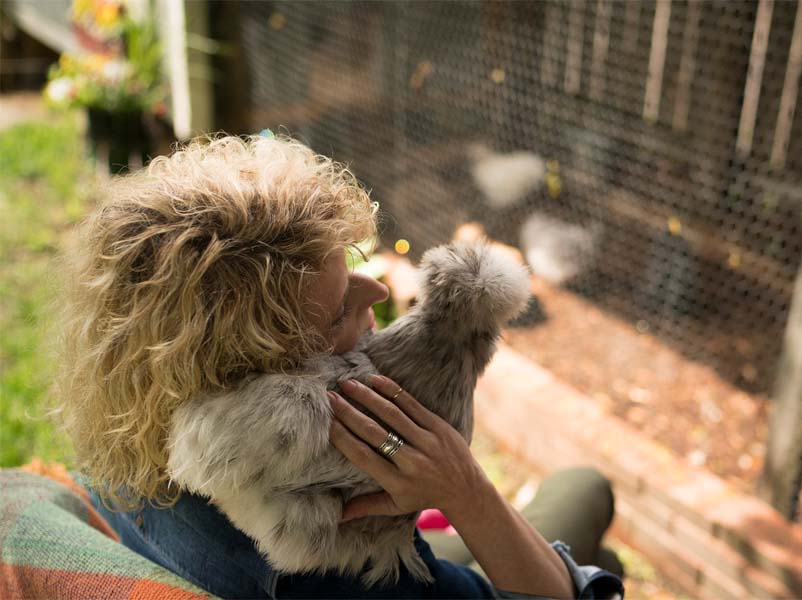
(512, 553)
(435, 468)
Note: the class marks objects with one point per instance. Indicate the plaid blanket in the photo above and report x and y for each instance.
(54, 545)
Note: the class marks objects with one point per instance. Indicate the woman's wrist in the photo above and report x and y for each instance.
(514, 556)
(476, 499)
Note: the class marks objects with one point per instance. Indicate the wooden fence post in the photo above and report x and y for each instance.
(783, 470)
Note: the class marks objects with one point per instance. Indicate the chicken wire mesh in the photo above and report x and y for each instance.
(645, 154)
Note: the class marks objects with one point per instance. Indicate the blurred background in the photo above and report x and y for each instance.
(643, 158)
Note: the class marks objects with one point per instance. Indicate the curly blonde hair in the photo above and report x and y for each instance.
(190, 274)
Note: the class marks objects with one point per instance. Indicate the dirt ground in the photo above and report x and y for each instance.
(684, 405)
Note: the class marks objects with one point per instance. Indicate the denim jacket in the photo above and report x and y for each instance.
(197, 542)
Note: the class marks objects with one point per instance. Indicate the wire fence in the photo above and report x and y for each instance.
(648, 155)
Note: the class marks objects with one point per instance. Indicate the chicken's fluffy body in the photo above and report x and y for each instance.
(261, 452)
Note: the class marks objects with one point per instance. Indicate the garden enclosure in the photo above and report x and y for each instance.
(646, 155)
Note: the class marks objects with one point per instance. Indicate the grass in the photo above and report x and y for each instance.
(42, 177)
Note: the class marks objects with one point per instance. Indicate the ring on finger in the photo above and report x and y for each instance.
(391, 444)
(397, 394)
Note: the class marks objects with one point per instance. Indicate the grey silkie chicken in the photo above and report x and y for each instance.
(261, 452)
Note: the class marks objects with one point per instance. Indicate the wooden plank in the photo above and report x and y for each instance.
(552, 43)
(687, 66)
(573, 60)
(785, 114)
(601, 45)
(631, 25)
(657, 60)
(783, 470)
(754, 78)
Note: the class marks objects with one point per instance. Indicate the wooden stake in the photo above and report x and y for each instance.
(785, 114)
(573, 60)
(781, 475)
(754, 78)
(657, 60)
(687, 66)
(601, 44)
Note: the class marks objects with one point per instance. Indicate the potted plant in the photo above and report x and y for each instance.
(116, 77)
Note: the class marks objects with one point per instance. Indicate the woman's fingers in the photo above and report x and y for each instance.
(385, 409)
(432, 468)
(359, 423)
(407, 403)
(380, 503)
(369, 431)
(362, 455)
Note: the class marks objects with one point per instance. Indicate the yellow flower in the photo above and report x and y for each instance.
(81, 7)
(94, 62)
(108, 14)
(67, 62)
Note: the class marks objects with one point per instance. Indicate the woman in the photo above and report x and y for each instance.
(226, 258)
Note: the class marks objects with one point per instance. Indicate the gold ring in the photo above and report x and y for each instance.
(390, 446)
(397, 394)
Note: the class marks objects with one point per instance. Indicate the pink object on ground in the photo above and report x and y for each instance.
(431, 518)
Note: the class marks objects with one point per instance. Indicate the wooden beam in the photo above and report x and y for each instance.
(552, 43)
(631, 25)
(785, 114)
(783, 470)
(575, 42)
(687, 66)
(754, 78)
(657, 61)
(601, 45)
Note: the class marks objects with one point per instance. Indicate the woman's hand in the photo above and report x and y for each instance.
(434, 467)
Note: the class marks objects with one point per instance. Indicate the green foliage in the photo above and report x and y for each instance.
(41, 176)
(126, 80)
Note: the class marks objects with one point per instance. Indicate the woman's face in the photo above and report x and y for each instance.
(339, 303)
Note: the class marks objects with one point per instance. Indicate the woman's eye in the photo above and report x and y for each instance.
(341, 319)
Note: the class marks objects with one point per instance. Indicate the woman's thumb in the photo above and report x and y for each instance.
(370, 505)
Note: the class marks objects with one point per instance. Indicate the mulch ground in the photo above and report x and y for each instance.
(682, 404)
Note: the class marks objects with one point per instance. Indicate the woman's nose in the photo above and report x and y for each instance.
(370, 290)
(382, 292)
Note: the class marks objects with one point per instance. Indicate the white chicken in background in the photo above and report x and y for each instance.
(555, 250)
(505, 179)
(558, 251)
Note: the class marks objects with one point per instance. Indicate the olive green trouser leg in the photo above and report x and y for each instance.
(573, 505)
